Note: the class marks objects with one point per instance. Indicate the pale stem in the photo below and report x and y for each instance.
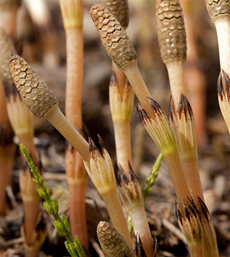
(116, 214)
(120, 77)
(191, 172)
(141, 227)
(74, 45)
(77, 211)
(223, 34)
(178, 178)
(133, 74)
(59, 121)
(31, 211)
(123, 144)
(176, 79)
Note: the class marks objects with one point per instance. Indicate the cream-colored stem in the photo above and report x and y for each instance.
(176, 79)
(141, 227)
(120, 77)
(123, 144)
(116, 214)
(59, 121)
(223, 33)
(133, 74)
(74, 45)
(178, 178)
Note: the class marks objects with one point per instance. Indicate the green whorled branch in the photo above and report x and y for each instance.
(150, 180)
(51, 205)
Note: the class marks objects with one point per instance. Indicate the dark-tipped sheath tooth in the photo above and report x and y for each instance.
(170, 109)
(124, 179)
(101, 142)
(223, 85)
(178, 212)
(93, 148)
(156, 108)
(113, 80)
(204, 209)
(139, 251)
(184, 107)
(143, 114)
(118, 176)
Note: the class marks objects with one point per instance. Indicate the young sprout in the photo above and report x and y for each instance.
(100, 170)
(132, 199)
(219, 12)
(42, 103)
(121, 105)
(72, 15)
(112, 242)
(51, 206)
(172, 42)
(120, 50)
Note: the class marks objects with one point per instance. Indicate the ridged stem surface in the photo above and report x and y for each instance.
(223, 34)
(31, 211)
(78, 212)
(123, 143)
(176, 79)
(141, 227)
(74, 45)
(116, 214)
(120, 77)
(133, 74)
(59, 121)
(178, 177)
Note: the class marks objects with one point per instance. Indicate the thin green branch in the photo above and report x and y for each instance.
(51, 205)
(150, 181)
